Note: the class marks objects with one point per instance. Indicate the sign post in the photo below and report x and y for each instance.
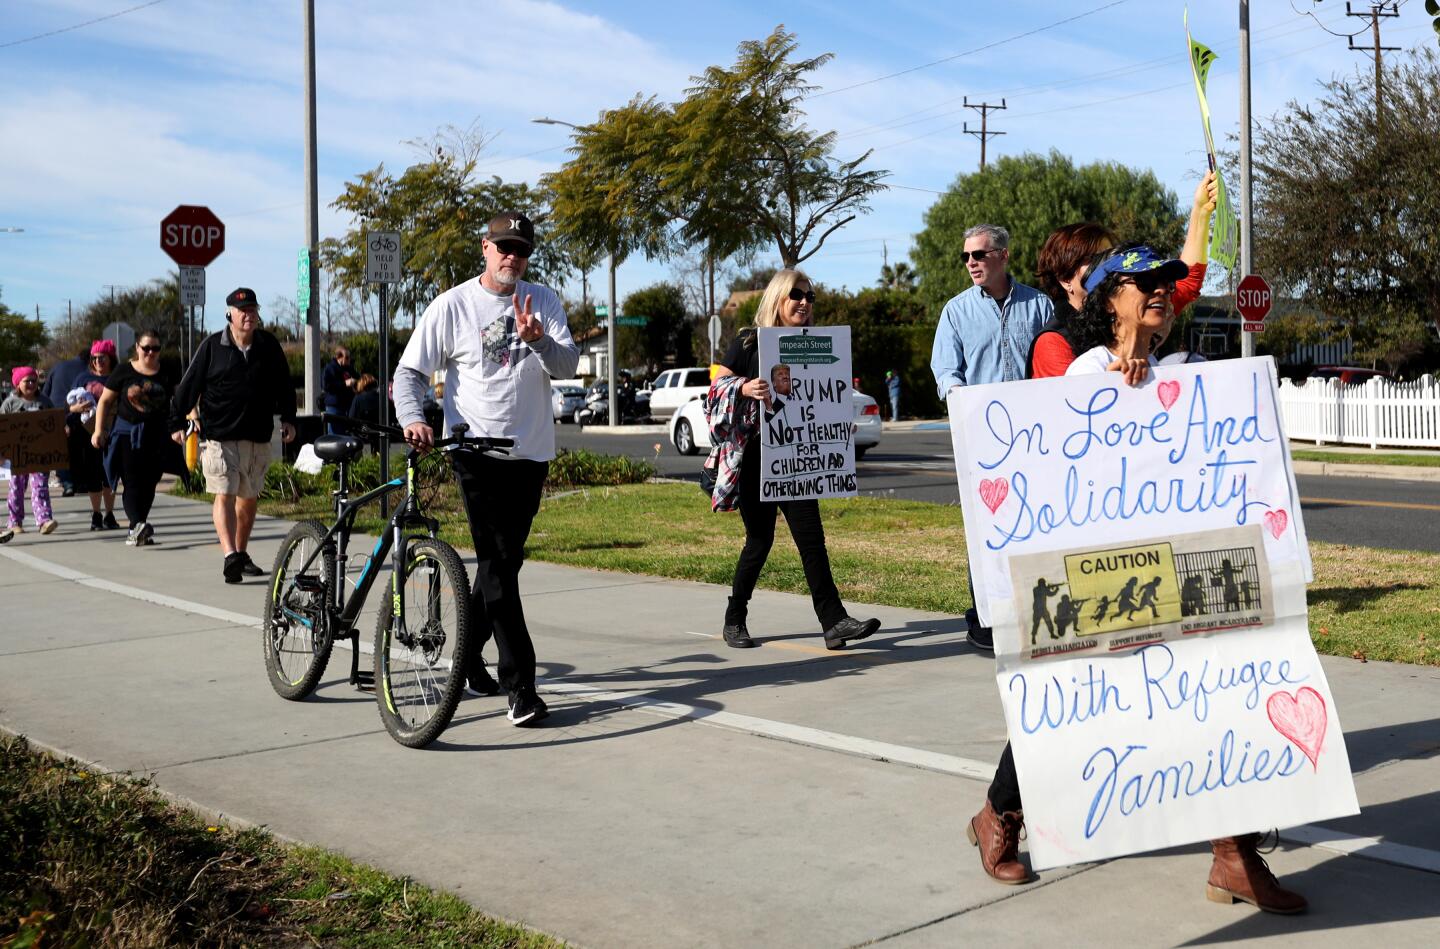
(714, 335)
(193, 237)
(1253, 299)
(383, 266)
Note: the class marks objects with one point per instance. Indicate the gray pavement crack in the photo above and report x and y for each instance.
(120, 642)
(156, 769)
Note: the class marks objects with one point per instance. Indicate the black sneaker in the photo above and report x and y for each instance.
(97, 523)
(738, 636)
(849, 630)
(526, 708)
(479, 681)
(144, 534)
(982, 638)
(110, 523)
(234, 566)
(249, 567)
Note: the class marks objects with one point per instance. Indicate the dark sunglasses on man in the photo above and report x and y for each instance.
(513, 249)
(965, 255)
(797, 295)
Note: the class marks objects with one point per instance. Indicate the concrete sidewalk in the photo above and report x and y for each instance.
(683, 793)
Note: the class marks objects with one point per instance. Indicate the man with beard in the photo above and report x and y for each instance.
(499, 341)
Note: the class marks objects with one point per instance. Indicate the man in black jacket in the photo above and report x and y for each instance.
(241, 380)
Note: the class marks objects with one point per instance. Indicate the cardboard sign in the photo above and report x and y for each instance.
(807, 447)
(1140, 554)
(34, 441)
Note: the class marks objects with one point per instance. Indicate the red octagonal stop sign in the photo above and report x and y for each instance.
(192, 236)
(1253, 298)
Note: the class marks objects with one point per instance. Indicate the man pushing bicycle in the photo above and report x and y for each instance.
(499, 341)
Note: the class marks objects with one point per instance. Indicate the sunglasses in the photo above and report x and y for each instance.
(797, 295)
(1148, 283)
(149, 349)
(512, 249)
(965, 255)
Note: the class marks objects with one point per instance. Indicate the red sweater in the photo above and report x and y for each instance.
(1052, 355)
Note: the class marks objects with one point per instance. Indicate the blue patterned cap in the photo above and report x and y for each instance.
(1136, 260)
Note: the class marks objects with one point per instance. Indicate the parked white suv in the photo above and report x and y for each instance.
(674, 387)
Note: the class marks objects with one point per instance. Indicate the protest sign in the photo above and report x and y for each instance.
(807, 428)
(1140, 554)
(34, 441)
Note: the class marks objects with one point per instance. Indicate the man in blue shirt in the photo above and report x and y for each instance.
(985, 332)
(984, 336)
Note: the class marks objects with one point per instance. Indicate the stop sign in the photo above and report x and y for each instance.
(192, 236)
(1253, 298)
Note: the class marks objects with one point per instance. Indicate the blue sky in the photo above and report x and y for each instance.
(104, 129)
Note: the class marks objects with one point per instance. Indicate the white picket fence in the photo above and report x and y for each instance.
(1379, 412)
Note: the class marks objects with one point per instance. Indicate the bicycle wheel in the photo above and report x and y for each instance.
(420, 661)
(297, 631)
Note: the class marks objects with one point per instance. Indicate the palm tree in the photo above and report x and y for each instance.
(898, 276)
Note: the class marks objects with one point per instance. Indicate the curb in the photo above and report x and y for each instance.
(1386, 472)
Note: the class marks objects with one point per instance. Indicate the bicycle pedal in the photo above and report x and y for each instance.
(364, 681)
(309, 583)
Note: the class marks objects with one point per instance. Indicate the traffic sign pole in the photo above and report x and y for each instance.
(383, 262)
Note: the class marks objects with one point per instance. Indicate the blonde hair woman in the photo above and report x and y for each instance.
(736, 394)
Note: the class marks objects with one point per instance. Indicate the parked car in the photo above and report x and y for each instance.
(690, 435)
(675, 387)
(564, 400)
(1349, 375)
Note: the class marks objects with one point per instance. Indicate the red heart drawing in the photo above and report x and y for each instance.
(993, 493)
(1300, 718)
(1168, 391)
(1276, 521)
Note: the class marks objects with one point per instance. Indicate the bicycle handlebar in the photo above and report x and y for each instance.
(458, 438)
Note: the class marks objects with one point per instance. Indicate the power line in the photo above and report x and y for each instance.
(971, 52)
(79, 26)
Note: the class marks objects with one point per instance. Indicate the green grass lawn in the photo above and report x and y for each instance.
(1365, 603)
(1431, 460)
(100, 859)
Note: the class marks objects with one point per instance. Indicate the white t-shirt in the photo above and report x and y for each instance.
(1181, 358)
(1096, 360)
(497, 384)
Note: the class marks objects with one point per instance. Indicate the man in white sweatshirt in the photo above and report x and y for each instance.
(499, 341)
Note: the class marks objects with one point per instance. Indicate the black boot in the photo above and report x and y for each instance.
(735, 633)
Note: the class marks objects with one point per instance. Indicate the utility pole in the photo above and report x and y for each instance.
(1377, 10)
(1247, 234)
(984, 133)
(312, 219)
(112, 287)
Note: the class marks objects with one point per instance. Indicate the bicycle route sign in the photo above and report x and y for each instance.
(382, 257)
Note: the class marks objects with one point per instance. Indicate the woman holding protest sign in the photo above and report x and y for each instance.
(1066, 257)
(27, 398)
(137, 446)
(734, 411)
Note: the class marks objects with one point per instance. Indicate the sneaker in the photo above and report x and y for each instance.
(6, 534)
(479, 681)
(526, 707)
(110, 523)
(234, 564)
(849, 630)
(249, 567)
(68, 491)
(737, 636)
(17, 528)
(982, 638)
(140, 535)
(96, 522)
(49, 526)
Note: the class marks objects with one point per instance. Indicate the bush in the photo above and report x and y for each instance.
(581, 468)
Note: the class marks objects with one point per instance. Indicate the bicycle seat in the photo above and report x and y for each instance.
(338, 448)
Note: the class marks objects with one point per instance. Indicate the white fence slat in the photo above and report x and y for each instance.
(1379, 412)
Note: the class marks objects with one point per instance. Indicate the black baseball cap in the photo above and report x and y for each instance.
(511, 226)
(242, 297)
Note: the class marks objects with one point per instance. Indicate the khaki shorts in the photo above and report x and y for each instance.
(236, 467)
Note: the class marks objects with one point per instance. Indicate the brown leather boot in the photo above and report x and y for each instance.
(998, 837)
(1239, 873)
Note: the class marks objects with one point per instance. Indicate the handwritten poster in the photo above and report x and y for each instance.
(34, 441)
(1141, 556)
(807, 447)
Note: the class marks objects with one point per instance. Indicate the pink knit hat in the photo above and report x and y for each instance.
(104, 347)
(19, 373)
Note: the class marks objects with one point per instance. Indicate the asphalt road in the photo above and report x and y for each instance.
(918, 466)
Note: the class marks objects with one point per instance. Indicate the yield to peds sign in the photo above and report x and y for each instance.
(192, 236)
(1253, 299)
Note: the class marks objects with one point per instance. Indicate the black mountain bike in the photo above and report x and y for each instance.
(420, 637)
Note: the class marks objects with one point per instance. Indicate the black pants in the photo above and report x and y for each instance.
(1004, 790)
(501, 500)
(139, 468)
(803, 518)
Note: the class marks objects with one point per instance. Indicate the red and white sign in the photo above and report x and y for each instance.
(1253, 299)
(192, 236)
